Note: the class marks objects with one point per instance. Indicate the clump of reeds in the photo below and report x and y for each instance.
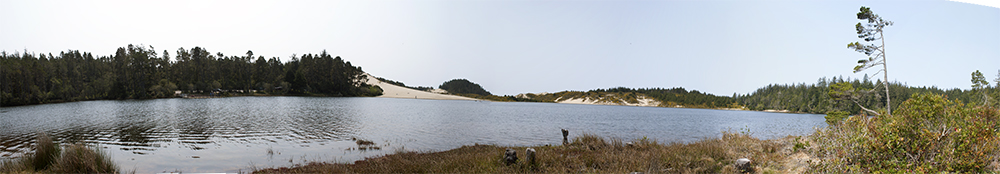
(77, 158)
(80, 158)
(46, 152)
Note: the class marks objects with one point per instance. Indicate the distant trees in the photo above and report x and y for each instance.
(979, 84)
(463, 86)
(667, 97)
(846, 91)
(870, 32)
(138, 72)
(816, 98)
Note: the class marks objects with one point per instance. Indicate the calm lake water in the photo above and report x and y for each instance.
(233, 134)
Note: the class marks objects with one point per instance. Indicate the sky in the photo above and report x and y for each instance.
(510, 47)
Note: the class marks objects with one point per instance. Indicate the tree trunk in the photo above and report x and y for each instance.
(885, 72)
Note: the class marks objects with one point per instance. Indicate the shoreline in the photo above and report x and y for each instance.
(585, 153)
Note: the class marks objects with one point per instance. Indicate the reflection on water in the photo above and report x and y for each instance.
(229, 134)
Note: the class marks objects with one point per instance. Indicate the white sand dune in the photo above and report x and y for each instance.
(393, 91)
(643, 101)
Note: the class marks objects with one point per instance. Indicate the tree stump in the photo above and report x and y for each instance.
(510, 157)
(565, 135)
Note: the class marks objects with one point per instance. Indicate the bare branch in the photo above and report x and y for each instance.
(866, 109)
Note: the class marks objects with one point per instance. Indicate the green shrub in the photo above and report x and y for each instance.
(928, 133)
(834, 117)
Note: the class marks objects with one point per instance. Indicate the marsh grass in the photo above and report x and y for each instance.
(587, 153)
(76, 158)
(80, 158)
(46, 152)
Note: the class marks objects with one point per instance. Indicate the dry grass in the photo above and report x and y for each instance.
(587, 153)
(79, 158)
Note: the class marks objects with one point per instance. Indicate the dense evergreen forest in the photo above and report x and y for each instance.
(463, 86)
(815, 98)
(138, 72)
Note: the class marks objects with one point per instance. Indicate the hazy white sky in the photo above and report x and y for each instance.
(510, 47)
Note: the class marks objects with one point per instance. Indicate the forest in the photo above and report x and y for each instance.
(463, 86)
(815, 98)
(138, 72)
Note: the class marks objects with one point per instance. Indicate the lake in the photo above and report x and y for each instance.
(235, 133)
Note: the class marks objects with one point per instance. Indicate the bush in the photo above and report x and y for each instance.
(928, 133)
(834, 117)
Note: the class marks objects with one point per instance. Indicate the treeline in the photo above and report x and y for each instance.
(138, 72)
(814, 98)
(397, 83)
(463, 86)
(668, 97)
(678, 96)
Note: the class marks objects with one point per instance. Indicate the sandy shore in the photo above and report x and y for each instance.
(393, 91)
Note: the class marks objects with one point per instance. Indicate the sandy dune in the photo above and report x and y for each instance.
(643, 101)
(393, 91)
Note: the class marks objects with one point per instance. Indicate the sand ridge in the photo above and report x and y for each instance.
(394, 91)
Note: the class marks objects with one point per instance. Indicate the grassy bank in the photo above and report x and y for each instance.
(586, 153)
(49, 157)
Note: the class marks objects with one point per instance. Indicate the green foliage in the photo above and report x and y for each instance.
(801, 145)
(815, 98)
(928, 134)
(978, 81)
(980, 84)
(463, 86)
(846, 91)
(138, 72)
(834, 117)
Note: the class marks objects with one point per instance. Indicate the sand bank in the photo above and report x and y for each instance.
(393, 91)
